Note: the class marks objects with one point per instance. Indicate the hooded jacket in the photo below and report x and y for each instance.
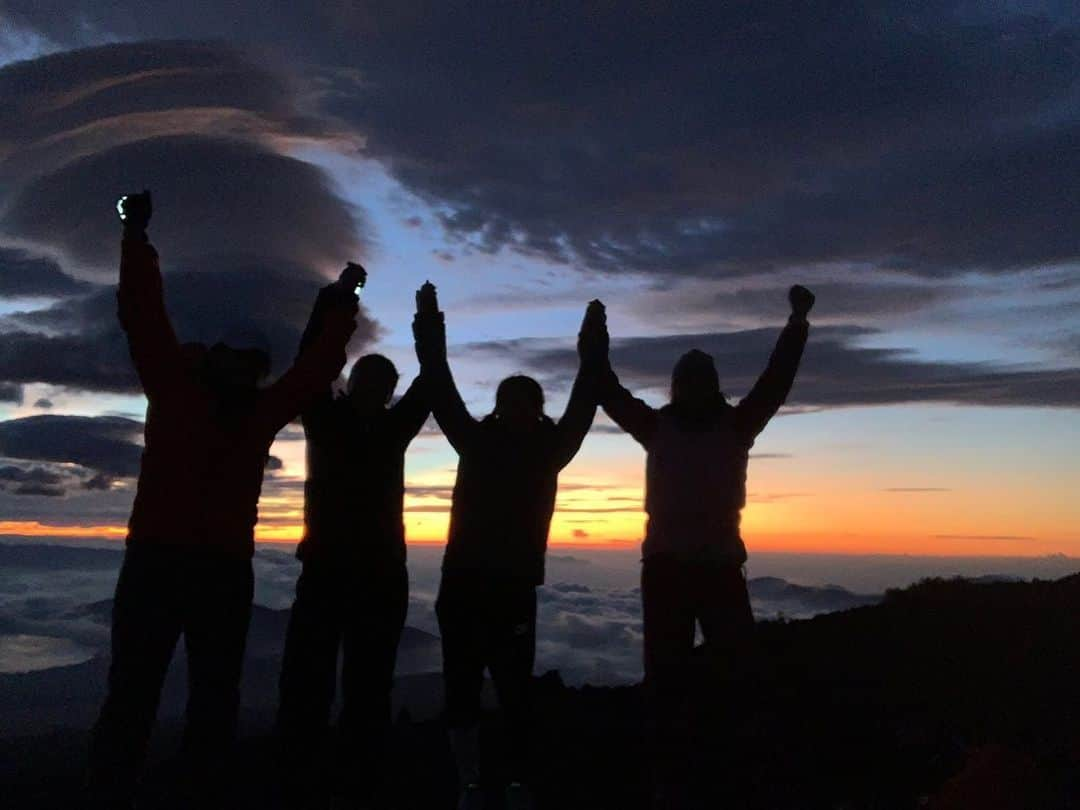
(202, 468)
(695, 470)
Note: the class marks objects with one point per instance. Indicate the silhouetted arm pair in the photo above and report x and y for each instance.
(756, 408)
(141, 308)
(576, 420)
(773, 386)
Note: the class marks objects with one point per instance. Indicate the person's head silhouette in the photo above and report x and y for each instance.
(519, 403)
(371, 382)
(695, 385)
(229, 370)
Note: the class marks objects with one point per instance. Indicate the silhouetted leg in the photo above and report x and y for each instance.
(371, 636)
(668, 613)
(727, 623)
(511, 659)
(462, 616)
(727, 620)
(215, 633)
(145, 628)
(308, 678)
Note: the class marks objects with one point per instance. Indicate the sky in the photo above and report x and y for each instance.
(914, 163)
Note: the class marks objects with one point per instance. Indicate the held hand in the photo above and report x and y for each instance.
(429, 328)
(427, 301)
(802, 300)
(593, 338)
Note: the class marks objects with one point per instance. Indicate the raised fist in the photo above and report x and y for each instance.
(135, 211)
(802, 300)
(353, 276)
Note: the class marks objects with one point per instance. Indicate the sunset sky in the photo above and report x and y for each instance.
(914, 163)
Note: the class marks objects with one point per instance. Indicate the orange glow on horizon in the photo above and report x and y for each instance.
(32, 528)
(784, 542)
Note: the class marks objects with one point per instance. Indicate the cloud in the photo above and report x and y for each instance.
(79, 343)
(67, 105)
(734, 139)
(707, 304)
(836, 370)
(103, 444)
(26, 276)
(31, 481)
(717, 139)
(247, 233)
(214, 196)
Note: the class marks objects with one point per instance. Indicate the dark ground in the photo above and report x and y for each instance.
(949, 694)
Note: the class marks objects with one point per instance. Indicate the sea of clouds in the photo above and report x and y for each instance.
(589, 611)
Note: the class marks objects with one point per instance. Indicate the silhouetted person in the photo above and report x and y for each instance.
(187, 567)
(353, 591)
(695, 489)
(503, 500)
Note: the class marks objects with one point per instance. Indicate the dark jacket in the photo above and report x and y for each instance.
(201, 472)
(504, 495)
(695, 477)
(355, 488)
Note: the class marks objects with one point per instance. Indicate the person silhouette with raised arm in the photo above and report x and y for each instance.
(503, 501)
(698, 448)
(353, 591)
(187, 566)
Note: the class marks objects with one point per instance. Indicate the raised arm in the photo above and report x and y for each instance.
(140, 302)
(319, 363)
(410, 412)
(580, 410)
(429, 329)
(773, 386)
(625, 410)
(633, 415)
(319, 403)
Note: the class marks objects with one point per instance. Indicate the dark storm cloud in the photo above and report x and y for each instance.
(734, 138)
(214, 197)
(25, 276)
(95, 361)
(698, 139)
(105, 444)
(836, 370)
(246, 233)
